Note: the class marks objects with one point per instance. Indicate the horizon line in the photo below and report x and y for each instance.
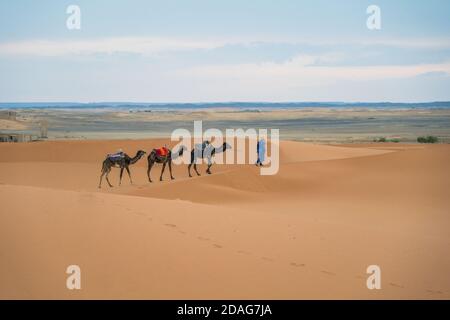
(224, 102)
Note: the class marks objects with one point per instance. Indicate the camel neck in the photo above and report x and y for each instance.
(135, 158)
(219, 149)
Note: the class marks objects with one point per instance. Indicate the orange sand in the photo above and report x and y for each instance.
(308, 232)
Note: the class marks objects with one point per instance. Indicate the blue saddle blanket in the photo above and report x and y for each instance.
(116, 156)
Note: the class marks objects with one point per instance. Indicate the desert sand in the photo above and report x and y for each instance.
(12, 125)
(308, 232)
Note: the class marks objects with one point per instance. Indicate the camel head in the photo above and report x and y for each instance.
(140, 153)
(226, 146)
(182, 150)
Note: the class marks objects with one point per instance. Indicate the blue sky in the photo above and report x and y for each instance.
(206, 50)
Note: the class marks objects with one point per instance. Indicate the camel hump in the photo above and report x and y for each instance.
(163, 151)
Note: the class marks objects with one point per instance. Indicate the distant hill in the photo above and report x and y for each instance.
(245, 105)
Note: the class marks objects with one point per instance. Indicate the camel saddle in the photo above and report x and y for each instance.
(116, 156)
(162, 152)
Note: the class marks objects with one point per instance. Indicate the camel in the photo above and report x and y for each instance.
(123, 162)
(154, 156)
(207, 150)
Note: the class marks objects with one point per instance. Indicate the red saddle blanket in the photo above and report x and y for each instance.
(162, 151)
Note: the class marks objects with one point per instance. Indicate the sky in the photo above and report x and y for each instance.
(224, 50)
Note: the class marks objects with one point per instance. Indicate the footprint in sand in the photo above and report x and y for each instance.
(435, 292)
(267, 259)
(297, 264)
(170, 225)
(328, 272)
(396, 285)
(244, 252)
(217, 246)
(203, 238)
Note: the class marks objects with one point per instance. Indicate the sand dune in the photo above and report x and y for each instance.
(308, 232)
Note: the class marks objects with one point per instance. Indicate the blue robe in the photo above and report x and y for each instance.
(261, 150)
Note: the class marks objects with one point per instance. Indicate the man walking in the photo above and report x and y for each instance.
(261, 151)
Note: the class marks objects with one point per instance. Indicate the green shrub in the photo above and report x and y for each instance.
(383, 139)
(427, 139)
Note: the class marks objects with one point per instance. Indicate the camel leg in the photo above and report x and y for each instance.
(107, 179)
(162, 171)
(129, 174)
(208, 169)
(189, 170)
(104, 170)
(101, 177)
(150, 165)
(193, 160)
(121, 172)
(195, 168)
(170, 170)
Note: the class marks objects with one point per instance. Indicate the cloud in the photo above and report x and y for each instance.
(418, 43)
(226, 69)
(154, 45)
(302, 70)
(137, 45)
